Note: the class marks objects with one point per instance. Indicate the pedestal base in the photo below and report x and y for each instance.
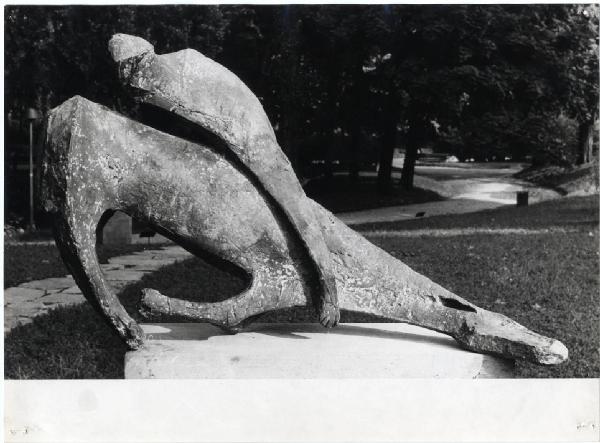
(351, 350)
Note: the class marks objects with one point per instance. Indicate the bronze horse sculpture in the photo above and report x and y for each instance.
(224, 190)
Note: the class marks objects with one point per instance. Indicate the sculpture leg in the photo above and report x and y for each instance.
(77, 193)
(375, 282)
(262, 296)
(76, 240)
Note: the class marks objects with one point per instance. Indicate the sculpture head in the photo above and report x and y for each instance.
(123, 47)
(196, 88)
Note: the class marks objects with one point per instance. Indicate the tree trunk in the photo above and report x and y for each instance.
(353, 163)
(358, 93)
(386, 156)
(330, 118)
(585, 142)
(329, 145)
(410, 158)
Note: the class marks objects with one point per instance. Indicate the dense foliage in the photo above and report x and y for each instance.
(345, 84)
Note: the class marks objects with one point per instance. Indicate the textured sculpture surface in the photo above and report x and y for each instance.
(232, 199)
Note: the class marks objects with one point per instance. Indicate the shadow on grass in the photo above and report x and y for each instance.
(547, 214)
(67, 343)
(341, 194)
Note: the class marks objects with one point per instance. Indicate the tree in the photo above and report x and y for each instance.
(488, 81)
(479, 81)
(533, 68)
(56, 52)
(337, 41)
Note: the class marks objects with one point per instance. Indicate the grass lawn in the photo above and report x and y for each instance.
(537, 264)
(26, 262)
(564, 179)
(546, 280)
(340, 194)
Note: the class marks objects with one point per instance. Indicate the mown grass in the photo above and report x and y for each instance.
(67, 343)
(565, 179)
(546, 281)
(26, 262)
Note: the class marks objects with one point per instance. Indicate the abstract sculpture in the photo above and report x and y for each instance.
(224, 191)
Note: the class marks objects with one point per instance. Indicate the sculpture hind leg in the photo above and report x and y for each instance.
(264, 294)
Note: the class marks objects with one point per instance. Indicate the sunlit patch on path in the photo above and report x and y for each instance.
(454, 232)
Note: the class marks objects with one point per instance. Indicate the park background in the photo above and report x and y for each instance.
(360, 98)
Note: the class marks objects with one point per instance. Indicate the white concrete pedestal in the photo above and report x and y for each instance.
(351, 350)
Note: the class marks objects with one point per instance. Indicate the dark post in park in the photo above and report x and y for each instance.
(31, 116)
(228, 194)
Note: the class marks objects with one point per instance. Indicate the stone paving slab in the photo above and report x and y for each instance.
(144, 264)
(174, 250)
(126, 259)
(20, 294)
(37, 297)
(143, 260)
(62, 299)
(29, 309)
(50, 283)
(111, 266)
(124, 275)
(150, 266)
(174, 256)
(72, 290)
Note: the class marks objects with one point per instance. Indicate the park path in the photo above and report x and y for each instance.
(28, 300)
(466, 190)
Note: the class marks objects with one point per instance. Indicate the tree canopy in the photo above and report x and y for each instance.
(347, 82)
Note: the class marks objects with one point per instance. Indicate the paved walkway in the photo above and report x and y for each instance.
(465, 191)
(30, 299)
(396, 213)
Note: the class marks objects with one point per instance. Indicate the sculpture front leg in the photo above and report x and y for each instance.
(372, 281)
(77, 197)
